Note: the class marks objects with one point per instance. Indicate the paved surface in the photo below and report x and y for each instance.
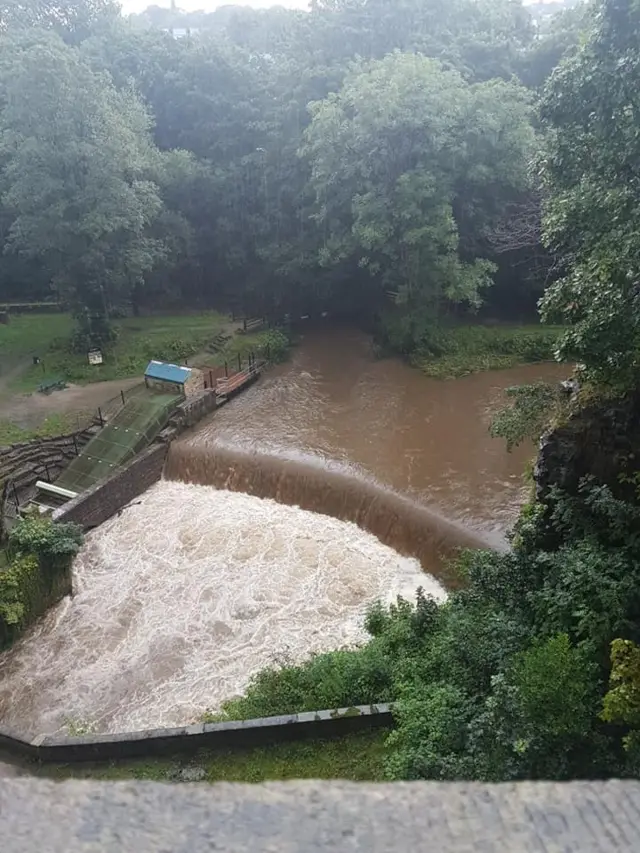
(70, 817)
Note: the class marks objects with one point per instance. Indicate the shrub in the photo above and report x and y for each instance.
(44, 538)
(17, 584)
(528, 414)
(274, 345)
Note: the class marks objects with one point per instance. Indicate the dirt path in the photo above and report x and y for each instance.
(29, 410)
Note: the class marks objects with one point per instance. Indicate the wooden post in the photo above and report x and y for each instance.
(244, 324)
(211, 378)
(46, 468)
(75, 444)
(226, 371)
(122, 395)
(239, 362)
(100, 418)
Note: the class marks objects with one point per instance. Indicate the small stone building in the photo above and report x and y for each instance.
(173, 378)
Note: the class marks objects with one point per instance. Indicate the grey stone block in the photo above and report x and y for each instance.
(78, 817)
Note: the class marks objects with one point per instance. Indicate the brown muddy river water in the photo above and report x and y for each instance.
(335, 481)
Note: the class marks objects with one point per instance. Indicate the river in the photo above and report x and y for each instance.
(191, 589)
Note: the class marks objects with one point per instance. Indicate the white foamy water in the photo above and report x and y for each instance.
(185, 595)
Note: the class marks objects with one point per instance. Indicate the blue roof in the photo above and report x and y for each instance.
(167, 372)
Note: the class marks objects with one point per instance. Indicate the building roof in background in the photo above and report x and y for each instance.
(167, 372)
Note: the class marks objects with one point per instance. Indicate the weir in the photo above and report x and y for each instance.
(280, 519)
(397, 521)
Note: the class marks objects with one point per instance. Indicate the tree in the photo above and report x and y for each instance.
(73, 20)
(559, 35)
(481, 40)
(538, 721)
(591, 172)
(399, 156)
(76, 161)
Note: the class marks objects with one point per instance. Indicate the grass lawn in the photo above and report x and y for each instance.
(56, 424)
(356, 757)
(171, 338)
(30, 334)
(459, 350)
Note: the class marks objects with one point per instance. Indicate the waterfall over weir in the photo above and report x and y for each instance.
(182, 597)
(407, 527)
(280, 520)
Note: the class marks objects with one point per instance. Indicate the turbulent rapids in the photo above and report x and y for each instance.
(395, 520)
(185, 595)
(282, 517)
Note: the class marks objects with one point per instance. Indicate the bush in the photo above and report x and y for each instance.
(332, 680)
(444, 350)
(274, 345)
(528, 415)
(16, 587)
(34, 535)
(449, 351)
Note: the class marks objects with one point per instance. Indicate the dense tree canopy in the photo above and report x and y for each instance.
(76, 160)
(591, 170)
(251, 98)
(402, 148)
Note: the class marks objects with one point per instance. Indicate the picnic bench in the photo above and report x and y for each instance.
(49, 385)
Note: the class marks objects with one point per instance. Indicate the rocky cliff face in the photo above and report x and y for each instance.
(602, 440)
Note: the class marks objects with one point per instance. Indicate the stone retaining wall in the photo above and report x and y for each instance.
(51, 583)
(22, 464)
(112, 493)
(233, 735)
(188, 413)
(27, 461)
(602, 440)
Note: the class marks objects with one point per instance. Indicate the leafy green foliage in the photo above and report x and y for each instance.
(506, 679)
(34, 535)
(387, 180)
(360, 757)
(590, 171)
(166, 171)
(528, 415)
(15, 583)
(446, 353)
(621, 703)
(274, 344)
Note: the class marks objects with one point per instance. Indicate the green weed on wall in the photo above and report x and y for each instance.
(37, 573)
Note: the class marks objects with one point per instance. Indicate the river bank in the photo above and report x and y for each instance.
(357, 757)
(121, 652)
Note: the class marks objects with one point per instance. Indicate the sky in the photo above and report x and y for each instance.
(129, 6)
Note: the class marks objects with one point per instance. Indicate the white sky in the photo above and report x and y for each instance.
(129, 6)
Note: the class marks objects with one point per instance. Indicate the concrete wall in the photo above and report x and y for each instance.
(39, 815)
(109, 495)
(237, 734)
